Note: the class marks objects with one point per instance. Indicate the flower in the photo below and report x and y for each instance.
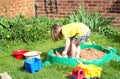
(8, 36)
(35, 36)
(28, 29)
(8, 46)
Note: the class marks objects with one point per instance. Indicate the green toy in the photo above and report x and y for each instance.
(111, 53)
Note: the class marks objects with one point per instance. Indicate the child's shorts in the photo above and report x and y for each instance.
(83, 38)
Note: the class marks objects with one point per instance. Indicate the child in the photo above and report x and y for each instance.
(74, 33)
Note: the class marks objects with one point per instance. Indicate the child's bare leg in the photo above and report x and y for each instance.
(78, 52)
(73, 49)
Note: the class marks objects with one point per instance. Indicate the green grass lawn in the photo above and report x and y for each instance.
(15, 68)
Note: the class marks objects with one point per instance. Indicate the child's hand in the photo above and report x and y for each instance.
(64, 54)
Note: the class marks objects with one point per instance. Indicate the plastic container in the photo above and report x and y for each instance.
(32, 64)
(32, 54)
(72, 61)
(91, 70)
(78, 73)
(116, 57)
(18, 54)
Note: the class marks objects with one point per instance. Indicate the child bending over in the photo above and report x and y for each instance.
(74, 33)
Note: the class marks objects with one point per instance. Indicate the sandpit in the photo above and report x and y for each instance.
(86, 54)
(89, 54)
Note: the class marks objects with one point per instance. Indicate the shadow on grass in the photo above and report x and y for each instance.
(116, 38)
(68, 77)
(22, 68)
(44, 56)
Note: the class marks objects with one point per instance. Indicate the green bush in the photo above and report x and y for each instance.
(33, 29)
(108, 30)
(94, 20)
(26, 29)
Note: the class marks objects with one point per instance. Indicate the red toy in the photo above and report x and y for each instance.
(18, 54)
(78, 73)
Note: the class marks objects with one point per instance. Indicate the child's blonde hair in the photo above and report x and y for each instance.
(56, 31)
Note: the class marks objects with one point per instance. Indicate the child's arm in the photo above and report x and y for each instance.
(67, 45)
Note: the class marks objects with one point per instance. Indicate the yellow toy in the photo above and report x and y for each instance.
(91, 70)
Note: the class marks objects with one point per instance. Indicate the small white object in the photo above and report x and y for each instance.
(65, 56)
(5, 75)
(32, 54)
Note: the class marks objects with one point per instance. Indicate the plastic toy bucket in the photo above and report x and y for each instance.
(18, 54)
(32, 54)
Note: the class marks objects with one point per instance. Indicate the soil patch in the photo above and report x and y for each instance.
(86, 54)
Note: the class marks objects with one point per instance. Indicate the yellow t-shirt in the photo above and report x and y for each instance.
(74, 29)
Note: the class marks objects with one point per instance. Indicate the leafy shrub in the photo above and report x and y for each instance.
(108, 30)
(94, 20)
(26, 29)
